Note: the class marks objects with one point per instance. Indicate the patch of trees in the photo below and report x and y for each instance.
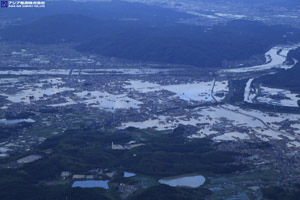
(279, 193)
(23, 115)
(164, 192)
(163, 155)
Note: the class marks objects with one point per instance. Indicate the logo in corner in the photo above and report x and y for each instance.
(4, 4)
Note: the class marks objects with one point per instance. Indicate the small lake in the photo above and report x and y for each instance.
(192, 181)
(128, 174)
(15, 121)
(91, 184)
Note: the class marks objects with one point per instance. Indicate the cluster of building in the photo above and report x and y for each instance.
(90, 175)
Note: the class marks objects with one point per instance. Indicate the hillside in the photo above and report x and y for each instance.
(191, 45)
(167, 43)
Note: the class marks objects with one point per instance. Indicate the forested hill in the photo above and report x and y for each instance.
(195, 46)
(167, 43)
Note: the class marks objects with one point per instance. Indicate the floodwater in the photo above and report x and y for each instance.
(15, 121)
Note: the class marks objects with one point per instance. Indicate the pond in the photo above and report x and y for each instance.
(128, 174)
(191, 180)
(91, 184)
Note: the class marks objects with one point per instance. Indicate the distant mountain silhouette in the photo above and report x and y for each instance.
(113, 10)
